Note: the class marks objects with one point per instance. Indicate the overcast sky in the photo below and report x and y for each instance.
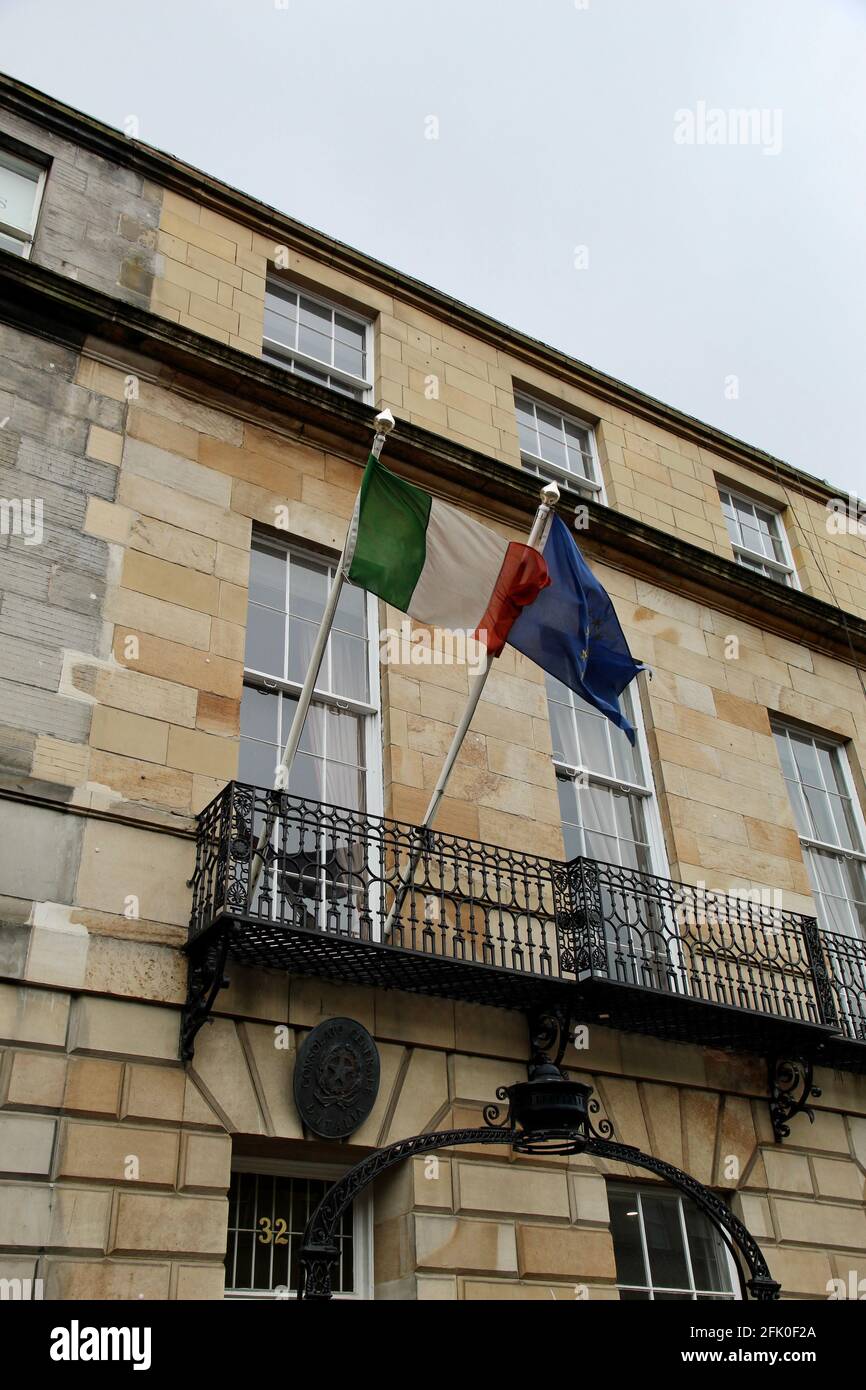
(581, 185)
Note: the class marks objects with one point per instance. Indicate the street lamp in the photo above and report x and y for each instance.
(548, 1114)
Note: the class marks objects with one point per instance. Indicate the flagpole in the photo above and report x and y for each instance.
(549, 499)
(384, 423)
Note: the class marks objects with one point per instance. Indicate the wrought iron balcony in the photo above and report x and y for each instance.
(497, 926)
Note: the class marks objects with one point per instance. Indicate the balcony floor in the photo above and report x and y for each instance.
(632, 1008)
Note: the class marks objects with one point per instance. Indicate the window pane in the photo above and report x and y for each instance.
(315, 329)
(821, 815)
(307, 777)
(279, 328)
(808, 765)
(526, 425)
(347, 359)
(709, 1260)
(308, 588)
(266, 640)
(302, 637)
(596, 810)
(553, 451)
(562, 733)
(268, 577)
(352, 611)
(259, 714)
(343, 734)
(625, 757)
(786, 756)
(603, 848)
(549, 424)
(625, 1232)
(8, 243)
(566, 791)
(349, 331)
(257, 762)
(664, 1238)
(349, 666)
(18, 185)
(592, 736)
(840, 810)
(344, 786)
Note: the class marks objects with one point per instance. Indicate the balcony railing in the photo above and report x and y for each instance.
(497, 926)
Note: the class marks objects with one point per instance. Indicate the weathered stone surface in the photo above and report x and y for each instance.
(33, 1080)
(787, 1172)
(93, 1086)
(106, 1279)
(174, 1225)
(221, 1071)
(116, 866)
(26, 1143)
(820, 1223)
(273, 1068)
(199, 1281)
(500, 1188)
(41, 853)
(30, 1015)
(557, 1252)
(118, 1154)
(126, 1029)
(205, 1162)
(456, 1243)
(423, 1094)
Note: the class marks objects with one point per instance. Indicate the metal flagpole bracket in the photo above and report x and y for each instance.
(384, 423)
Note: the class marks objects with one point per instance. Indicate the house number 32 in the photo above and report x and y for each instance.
(273, 1233)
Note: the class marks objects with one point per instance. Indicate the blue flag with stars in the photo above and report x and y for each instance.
(572, 632)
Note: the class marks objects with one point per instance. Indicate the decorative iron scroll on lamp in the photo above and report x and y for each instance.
(548, 1114)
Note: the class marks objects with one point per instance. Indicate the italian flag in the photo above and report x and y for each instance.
(437, 565)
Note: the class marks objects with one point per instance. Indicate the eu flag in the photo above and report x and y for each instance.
(572, 632)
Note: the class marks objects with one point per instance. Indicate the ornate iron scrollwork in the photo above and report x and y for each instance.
(787, 1077)
(207, 977)
(319, 1252)
(548, 1031)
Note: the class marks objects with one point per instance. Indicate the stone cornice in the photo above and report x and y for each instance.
(65, 311)
(167, 171)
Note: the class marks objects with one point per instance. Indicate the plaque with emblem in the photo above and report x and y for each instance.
(336, 1078)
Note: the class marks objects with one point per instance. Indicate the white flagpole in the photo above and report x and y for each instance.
(384, 423)
(549, 499)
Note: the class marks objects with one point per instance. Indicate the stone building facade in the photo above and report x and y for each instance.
(157, 412)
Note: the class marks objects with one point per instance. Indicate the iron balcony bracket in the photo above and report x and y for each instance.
(791, 1088)
(207, 964)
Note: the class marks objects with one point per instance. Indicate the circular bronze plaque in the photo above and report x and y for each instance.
(336, 1078)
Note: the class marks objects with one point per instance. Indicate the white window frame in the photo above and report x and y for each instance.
(652, 818)
(592, 487)
(734, 1296)
(785, 571)
(10, 159)
(362, 1235)
(838, 748)
(290, 354)
(371, 709)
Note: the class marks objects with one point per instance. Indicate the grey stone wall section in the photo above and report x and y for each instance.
(43, 850)
(51, 593)
(98, 222)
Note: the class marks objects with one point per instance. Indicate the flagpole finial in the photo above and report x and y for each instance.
(384, 422)
(550, 494)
